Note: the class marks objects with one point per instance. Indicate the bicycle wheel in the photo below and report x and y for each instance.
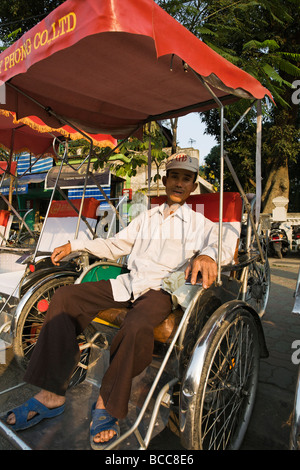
(225, 397)
(258, 286)
(30, 324)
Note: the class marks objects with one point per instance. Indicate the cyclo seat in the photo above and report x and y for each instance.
(114, 317)
(163, 333)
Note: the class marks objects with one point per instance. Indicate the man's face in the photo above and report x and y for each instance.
(179, 185)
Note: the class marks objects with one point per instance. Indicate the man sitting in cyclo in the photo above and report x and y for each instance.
(159, 241)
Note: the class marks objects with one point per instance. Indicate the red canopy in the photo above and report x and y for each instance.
(112, 65)
(31, 134)
(17, 137)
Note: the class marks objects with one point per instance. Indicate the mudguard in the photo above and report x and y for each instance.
(32, 290)
(44, 267)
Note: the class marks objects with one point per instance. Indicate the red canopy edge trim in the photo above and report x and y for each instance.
(35, 123)
(10, 116)
(68, 132)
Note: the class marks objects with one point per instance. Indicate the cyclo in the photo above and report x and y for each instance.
(206, 360)
(206, 371)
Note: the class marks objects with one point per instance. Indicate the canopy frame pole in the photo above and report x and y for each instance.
(220, 232)
(49, 205)
(88, 173)
(234, 175)
(258, 161)
(11, 207)
(83, 194)
(75, 209)
(108, 201)
(247, 206)
(253, 222)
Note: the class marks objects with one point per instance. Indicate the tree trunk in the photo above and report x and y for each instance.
(284, 146)
(174, 123)
(277, 185)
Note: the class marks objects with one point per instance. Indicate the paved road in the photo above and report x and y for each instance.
(269, 427)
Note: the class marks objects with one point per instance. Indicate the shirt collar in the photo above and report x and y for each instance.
(182, 212)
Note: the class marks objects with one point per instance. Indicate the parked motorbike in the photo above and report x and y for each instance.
(296, 238)
(278, 241)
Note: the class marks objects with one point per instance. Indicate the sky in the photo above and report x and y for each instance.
(190, 133)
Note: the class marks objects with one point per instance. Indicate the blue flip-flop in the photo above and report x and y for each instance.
(102, 421)
(21, 414)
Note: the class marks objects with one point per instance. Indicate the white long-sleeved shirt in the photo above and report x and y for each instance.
(156, 248)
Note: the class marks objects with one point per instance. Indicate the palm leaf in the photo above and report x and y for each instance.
(269, 44)
(273, 75)
(288, 67)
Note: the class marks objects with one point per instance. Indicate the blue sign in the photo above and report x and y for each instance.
(21, 189)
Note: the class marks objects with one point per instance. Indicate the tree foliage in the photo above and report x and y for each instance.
(132, 153)
(18, 16)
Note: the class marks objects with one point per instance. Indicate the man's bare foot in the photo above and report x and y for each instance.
(103, 436)
(49, 399)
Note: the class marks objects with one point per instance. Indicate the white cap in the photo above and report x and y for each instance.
(182, 161)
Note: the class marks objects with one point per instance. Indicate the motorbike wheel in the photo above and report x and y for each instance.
(226, 395)
(277, 250)
(30, 324)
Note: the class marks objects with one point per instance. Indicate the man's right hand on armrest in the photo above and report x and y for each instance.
(206, 266)
(60, 252)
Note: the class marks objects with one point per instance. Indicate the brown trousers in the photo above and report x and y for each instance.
(72, 308)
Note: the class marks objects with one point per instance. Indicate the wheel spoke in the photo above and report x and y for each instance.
(258, 286)
(30, 326)
(228, 386)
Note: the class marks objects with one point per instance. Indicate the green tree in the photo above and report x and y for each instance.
(133, 153)
(18, 16)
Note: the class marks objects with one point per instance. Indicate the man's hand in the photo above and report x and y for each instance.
(208, 268)
(60, 252)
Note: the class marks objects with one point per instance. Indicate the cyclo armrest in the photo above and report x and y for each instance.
(241, 261)
(74, 254)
